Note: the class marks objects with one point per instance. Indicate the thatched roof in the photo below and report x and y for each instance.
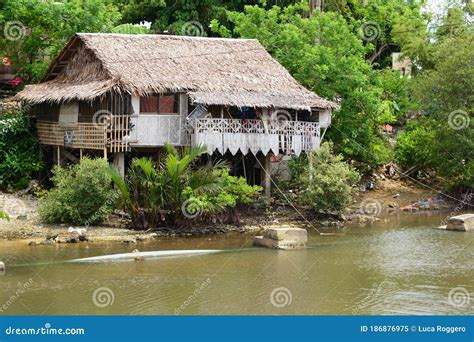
(214, 71)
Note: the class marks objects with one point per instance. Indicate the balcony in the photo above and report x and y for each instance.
(233, 135)
(108, 135)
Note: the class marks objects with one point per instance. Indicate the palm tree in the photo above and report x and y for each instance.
(153, 189)
(180, 171)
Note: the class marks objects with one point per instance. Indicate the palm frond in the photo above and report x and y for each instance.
(121, 185)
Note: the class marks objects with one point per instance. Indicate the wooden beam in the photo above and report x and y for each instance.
(70, 156)
(267, 182)
(58, 154)
(61, 55)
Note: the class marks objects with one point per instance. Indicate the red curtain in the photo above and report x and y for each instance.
(162, 104)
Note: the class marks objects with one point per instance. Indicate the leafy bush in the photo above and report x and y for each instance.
(415, 146)
(18, 152)
(178, 188)
(234, 191)
(332, 182)
(297, 165)
(82, 194)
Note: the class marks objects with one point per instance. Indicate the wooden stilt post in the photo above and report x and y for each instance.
(119, 163)
(267, 183)
(58, 155)
(244, 167)
(105, 153)
(80, 154)
(310, 167)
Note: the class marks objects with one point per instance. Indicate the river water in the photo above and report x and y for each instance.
(399, 266)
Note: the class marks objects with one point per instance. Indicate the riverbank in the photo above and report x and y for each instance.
(369, 207)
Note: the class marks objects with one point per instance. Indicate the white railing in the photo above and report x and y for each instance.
(289, 137)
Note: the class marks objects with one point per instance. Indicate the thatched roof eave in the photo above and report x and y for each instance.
(56, 92)
(261, 100)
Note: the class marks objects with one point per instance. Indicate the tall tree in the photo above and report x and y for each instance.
(174, 16)
(36, 30)
(444, 92)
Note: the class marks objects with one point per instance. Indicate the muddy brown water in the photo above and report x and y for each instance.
(398, 266)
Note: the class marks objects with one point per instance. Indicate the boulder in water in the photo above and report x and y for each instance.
(76, 235)
(282, 238)
(462, 223)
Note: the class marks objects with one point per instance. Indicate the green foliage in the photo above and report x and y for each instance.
(141, 192)
(177, 188)
(130, 29)
(443, 91)
(82, 194)
(387, 25)
(234, 190)
(414, 147)
(331, 181)
(396, 96)
(18, 151)
(237, 188)
(298, 166)
(44, 27)
(4, 216)
(171, 15)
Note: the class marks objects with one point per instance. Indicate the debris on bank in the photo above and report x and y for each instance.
(430, 203)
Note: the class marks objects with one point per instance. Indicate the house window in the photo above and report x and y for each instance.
(159, 104)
